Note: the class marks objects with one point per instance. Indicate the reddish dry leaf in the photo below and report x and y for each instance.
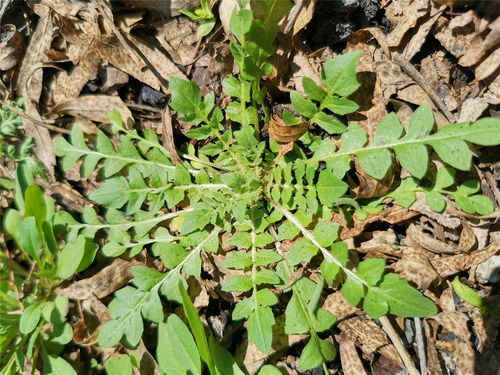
(351, 363)
(93, 107)
(102, 284)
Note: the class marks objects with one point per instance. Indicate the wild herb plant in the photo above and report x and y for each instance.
(234, 180)
(33, 323)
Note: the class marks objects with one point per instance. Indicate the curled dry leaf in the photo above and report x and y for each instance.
(417, 237)
(29, 86)
(166, 8)
(102, 284)
(281, 132)
(11, 47)
(404, 15)
(93, 107)
(481, 44)
(391, 215)
(447, 266)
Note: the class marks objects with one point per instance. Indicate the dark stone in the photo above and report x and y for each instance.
(150, 96)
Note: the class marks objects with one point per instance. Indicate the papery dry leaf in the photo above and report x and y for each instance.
(304, 16)
(489, 66)
(455, 322)
(102, 284)
(472, 109)
(65, 8)
(178, 37)
(281, 132)
(443, 218)
(29, 86)
(447, 266)
(436, 70)
(419, 38)
(455, 34)
(433, 365)
(11, 46)
(467, 237)
(112, 78)
(116, 56)
(392, 215)
(302, 67)
(370, 337)
(93, 107)
(417, 237)
(404, 15)
(68, 86)
(338, 305)
(416, 267)
(351, 363)
(462, 353)
(369, 187)
(481, 44)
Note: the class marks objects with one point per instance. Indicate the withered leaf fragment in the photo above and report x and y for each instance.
(281, 132)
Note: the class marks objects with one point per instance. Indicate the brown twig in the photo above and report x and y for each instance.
(33, 120)
(419, 338)
(168, 136)
(398, 344)
(409, 69)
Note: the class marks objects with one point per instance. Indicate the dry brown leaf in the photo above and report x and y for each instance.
(467, 237)
(418, 38)
(281, 132)
(11, 46)
(489, 66)
(455, 34)
(304, 16)
(351, 363)
(115, 55)
(444, 219)
(481, 44)
(102, 284)
(404, 15)
(112, 78)
(338, 305)
(392, 215)
(472, 109)
(455, 322)
(416, 267)
(93, 107)
(433, 365)
(370, 337)
(68, 86)
(416, 237)
(462, 353)
(29, 86)
(447, 266)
